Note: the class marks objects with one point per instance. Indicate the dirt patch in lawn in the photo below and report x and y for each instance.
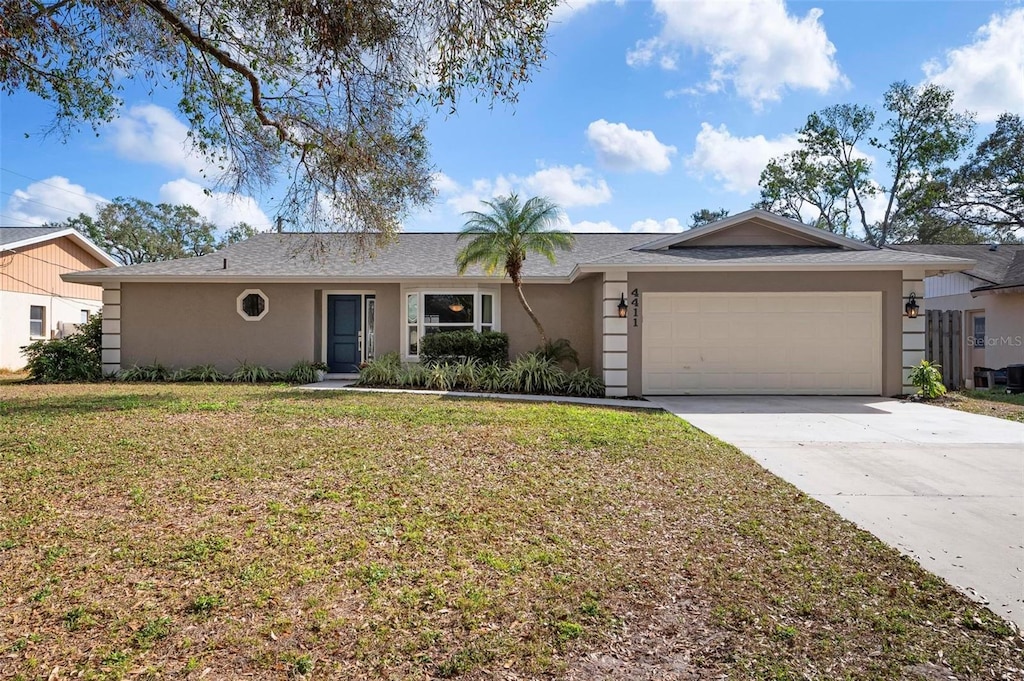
(229, 531)
(987, 403)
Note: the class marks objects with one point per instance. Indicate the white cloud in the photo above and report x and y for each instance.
(567, 186)
(668, 226)
(621, 148)
(221, 208)
(153, 134)
(736, 162)
(565, 9)
(755, 45)
(987, 76)
(54, 199)
(443, 184)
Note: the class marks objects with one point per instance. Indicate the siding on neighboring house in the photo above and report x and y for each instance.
(953, 284)
(30, 276)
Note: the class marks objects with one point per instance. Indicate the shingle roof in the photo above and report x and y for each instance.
(992, 266)
(409, 255)
(432, 255)
(771, 255)
(11, 235)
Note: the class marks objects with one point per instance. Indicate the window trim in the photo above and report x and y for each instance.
(42, 322)
(434, 290)
(248, 292)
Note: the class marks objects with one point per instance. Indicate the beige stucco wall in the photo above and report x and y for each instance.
(752, 233)
(565, 311)
(890, 284)
(1004, 329)
(182, 325)
(1004, 324)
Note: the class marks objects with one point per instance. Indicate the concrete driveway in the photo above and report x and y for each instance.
(942, 486)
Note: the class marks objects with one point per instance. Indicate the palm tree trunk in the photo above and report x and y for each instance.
(526, 306)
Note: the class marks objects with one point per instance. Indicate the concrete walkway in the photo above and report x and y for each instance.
(942, 486)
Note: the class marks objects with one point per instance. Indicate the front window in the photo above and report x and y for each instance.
(36, 320)
(434, 312)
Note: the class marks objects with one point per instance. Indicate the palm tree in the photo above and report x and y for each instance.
(501, 238)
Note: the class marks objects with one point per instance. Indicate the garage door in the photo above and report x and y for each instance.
(762, 343)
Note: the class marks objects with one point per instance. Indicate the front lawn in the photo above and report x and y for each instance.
(231, 531)
(988, 402)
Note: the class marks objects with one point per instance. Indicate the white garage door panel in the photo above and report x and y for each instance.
(768, 343)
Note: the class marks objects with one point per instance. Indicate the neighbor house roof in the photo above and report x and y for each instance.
(996, 267)
(15, 238)
(289, 257)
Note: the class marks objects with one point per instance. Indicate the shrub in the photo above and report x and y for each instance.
(560, 351)
(440, 376)
(75, 358)
(150, 373)
(534, 373)
(382, 371)
(492, 378)
(253, 373)
(203, 373)
(487, 347)
(928, 379)
(467, 372)
(305, 371)
(412, 376)
(581, 383)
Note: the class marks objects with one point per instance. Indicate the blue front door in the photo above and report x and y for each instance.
(343, 326)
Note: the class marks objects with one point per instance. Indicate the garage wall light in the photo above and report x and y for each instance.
(912, 307)
(623, 308)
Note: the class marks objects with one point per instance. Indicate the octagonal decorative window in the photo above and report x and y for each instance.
(253, 305)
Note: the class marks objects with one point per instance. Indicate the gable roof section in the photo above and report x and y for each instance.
(15, 238)
(813, 235)
(994, 267)
(416, 256)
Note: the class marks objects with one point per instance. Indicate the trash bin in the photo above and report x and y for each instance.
(984, 378)
(1015, 378)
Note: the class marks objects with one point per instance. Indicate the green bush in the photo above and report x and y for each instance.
(305, 371)
(531, 374)
(560, 351)
(928, 379)
(382, 371)
(487, 347)
(581, 383)
(203, 373)
(149, 373)
(75, 358)
(253, 373)
(534, 373)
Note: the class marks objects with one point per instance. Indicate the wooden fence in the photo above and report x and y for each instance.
(944, 344)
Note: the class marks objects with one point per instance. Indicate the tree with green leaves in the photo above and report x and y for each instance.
(328, 96)
(705, 216)
(134, 231)
(828, 180)
(987, 191)
(501, 238)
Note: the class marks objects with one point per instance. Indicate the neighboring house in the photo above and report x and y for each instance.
(754, 303)
(991, 297)
(34, 302)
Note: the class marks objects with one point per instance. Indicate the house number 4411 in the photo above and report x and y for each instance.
(634, 302)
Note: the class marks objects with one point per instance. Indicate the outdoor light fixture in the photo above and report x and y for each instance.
(456, 307)
(623, 308)
(912, 306)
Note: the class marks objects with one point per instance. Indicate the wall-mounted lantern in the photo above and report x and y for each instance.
(623, 307)
(912, 307)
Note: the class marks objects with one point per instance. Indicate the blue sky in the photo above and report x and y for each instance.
(643, 113)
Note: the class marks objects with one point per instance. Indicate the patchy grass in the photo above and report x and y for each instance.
(11, 376)
(158, 530)
(987, 402)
